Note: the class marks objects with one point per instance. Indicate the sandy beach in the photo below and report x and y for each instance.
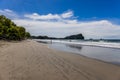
(30, 60)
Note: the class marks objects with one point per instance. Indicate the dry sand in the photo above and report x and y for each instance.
(29, 60)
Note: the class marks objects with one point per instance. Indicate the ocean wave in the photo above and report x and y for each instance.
(86, 43)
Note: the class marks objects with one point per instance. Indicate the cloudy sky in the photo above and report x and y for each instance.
(60, 18)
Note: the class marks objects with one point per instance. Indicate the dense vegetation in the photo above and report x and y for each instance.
(42, 37)
(77, 36)
(10, 31)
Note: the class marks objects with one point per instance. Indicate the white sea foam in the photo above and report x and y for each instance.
(86, 43)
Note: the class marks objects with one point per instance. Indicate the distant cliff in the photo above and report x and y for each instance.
(77, 36)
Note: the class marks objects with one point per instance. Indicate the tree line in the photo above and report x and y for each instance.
(76, 36)
(10, 31)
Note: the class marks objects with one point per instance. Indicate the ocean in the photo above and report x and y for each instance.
(105, 50)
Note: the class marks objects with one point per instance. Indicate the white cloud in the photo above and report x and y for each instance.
(36, 16)
(8, 10)
(38, 24)
(67, 14)
(50, 16)
(9, 13)
(94, 29)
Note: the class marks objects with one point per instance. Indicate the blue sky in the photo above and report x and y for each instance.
(59, 18)
(82, 8)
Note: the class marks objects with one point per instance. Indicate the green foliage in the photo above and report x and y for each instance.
(27, 34)
(10, 31)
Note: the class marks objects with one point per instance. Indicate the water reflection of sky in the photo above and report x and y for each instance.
(105, 54)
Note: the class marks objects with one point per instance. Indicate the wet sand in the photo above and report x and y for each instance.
(29, 60)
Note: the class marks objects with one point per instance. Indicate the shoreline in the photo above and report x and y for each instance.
(82, 44)
(112, 55)
(30, 60)
(115, 64)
